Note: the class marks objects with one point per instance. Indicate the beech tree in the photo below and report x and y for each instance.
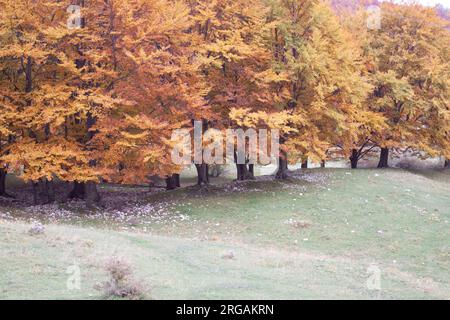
(91, 91)
(38, 62)
(232, 38)
(410, 73)
(155, 76)
(358, 142)
(323, 85)
(7, 117)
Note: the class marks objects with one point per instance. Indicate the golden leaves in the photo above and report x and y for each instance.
(112, 92)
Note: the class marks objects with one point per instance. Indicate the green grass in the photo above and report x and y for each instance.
(343, 222)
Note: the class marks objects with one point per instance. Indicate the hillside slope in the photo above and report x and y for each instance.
(319, 235)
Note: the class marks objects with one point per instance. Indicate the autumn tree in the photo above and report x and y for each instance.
(7, 117)
(38, 61)
(156, 78)
(323, 85)
(365, 122)
(410, 72)
(235, 56)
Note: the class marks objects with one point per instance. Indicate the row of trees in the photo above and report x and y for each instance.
(96, 96)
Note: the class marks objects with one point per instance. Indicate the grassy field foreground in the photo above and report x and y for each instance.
(319, 235)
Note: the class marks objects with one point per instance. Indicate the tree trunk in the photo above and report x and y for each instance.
(85, 191)
(43, 192)
(322, 164)
(35, 193)
(203, 168)
(354, 159)
(91, 193)
(447, 164)
(202, 174)
(241, 169)
(384, 158)
(170, 184)
(173, 182)
(176, 176)
(251, 171)
(3, 183)
(305, 164)
(50, 189)
(78, 191)
(66, 191)
(244, 172)
(240, 172)
(282, 172)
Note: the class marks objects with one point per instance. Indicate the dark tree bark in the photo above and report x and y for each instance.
(173, 182)
(176, 177)
(85, 191)
(50, 186)
(203, 168)
(170, 185)
(202, 174)
(66, 190)
(322, 164)
(305, 164)
(88, 189)
(240, 169)
(251, 171)
(35, 192)
(354, 158)
(91, 193)
(244, 172)
(43, 192)
(447, 164)
(78, 191)
(282, 172)
(384, 158)
(3, 192)
(2, 182)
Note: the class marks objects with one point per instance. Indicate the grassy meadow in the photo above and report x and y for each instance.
(318, 235)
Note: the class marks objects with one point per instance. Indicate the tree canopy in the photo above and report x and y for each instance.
(92, 91)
